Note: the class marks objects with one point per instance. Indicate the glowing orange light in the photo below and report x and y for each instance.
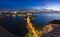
(31, 28)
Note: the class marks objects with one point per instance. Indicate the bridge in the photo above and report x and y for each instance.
(42, 17)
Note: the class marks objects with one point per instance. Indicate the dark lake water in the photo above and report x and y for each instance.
(11, 23)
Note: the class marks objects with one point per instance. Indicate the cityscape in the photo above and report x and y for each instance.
(29, 18)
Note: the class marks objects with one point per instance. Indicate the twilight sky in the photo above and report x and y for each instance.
(30, 4)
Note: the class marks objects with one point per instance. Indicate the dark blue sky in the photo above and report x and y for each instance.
(35, 4)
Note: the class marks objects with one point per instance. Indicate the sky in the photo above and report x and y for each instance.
(30, 4)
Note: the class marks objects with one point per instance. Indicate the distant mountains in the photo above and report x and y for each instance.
(30, 10)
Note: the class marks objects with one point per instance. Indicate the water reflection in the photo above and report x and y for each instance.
(16, 24)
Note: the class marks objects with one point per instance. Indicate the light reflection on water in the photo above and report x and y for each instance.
(10, 23)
